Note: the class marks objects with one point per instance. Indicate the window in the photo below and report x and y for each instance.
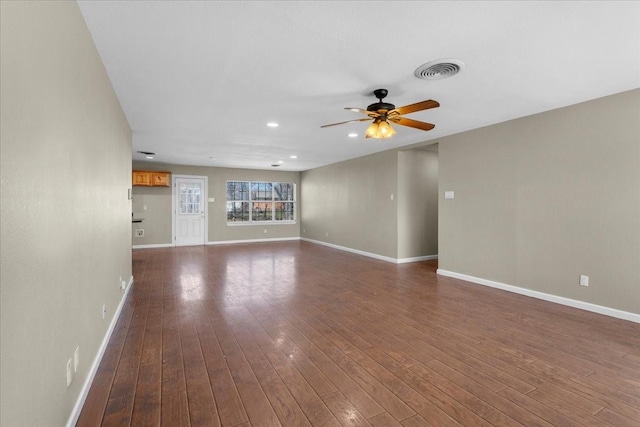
(190, 199)
(253, 201)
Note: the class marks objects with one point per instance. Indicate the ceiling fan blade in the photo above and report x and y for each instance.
(412, 108)
(348, 121)
(360, 110)
(412, 123)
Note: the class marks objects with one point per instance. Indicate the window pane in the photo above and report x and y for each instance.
(237, 211)
(190, 199)
(261, 191)
(237, 190)
(283, 191)
(254, 201)
(284, 211)
(262, 211)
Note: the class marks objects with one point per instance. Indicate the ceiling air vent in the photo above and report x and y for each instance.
(439, 69)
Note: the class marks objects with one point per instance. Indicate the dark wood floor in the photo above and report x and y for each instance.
(297, 334)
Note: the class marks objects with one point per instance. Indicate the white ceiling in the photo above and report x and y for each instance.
(200, 79)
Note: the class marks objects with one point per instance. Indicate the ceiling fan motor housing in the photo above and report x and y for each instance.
(381, 106)
(380, 94)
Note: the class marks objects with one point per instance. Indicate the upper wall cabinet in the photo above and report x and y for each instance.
(150, 178)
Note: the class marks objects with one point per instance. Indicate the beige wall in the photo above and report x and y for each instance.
(546, 198)
(417, 203)
(349, 204)
(157, 216)
(65, 168)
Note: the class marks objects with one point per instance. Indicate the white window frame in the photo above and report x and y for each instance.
(273, 202)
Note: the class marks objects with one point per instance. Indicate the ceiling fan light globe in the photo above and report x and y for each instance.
(392, 131)
(372, 130)
(384, 129)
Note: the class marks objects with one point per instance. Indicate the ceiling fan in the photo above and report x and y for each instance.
(382, 113)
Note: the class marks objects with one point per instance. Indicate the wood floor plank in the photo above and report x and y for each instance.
(441, 399)
(535, 407)
(468, 399)
(253, 398)
(230, 408)
(385, 398)
(515, 412)
(293, 333)
(313, 407)
(146, 409)
(175, 410)
(408, 395)
(202, 406)
(285, 406)
(323, 354)
(615, 419)
(615, 400)
(565, 403)
(386, 420)
(415, 421)
(344, 411)
(118, 412)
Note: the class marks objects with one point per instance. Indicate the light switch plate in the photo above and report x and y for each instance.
(69, 372)
(448, 194)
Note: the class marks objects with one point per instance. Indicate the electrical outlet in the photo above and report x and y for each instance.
(76, 359)
(584, 280)
(139, 232)
(69, 372)
(123, 285)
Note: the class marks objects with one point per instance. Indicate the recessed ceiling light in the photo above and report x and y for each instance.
(293, 157)
(150, 157)
(352, 135)
(355, 110)
(280, 161)
(273, 124)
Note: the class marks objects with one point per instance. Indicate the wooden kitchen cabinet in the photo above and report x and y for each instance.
(141, 178)
(160, 179)
(150, 178)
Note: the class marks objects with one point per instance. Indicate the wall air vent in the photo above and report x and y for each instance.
(439, 69)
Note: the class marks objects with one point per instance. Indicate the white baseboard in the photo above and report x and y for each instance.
(416, 259)
(612, 312)
(233, 242)
(355, 251)
(157, 245)
(77, 408)
(370, 254)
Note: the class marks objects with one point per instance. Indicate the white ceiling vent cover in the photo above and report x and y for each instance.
(439, 69)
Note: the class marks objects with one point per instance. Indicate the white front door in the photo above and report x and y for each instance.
(190, 213)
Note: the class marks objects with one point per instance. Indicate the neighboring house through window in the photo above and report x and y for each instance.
(257, 201)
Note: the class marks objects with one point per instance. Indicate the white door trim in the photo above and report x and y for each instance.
(205, 201)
